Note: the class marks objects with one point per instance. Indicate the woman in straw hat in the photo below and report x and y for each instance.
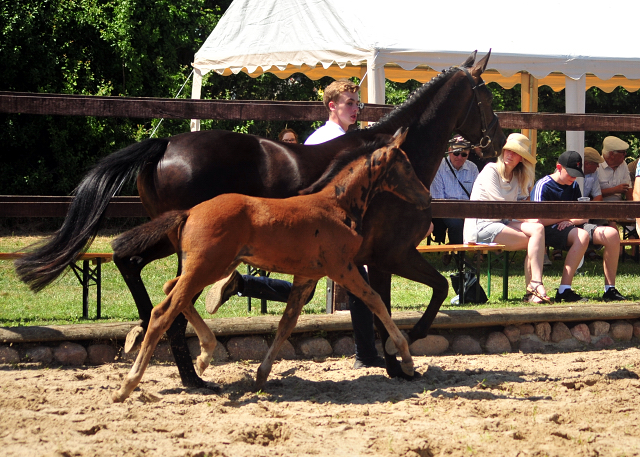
(511, 179)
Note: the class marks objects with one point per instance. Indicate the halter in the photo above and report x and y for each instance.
(486, 139)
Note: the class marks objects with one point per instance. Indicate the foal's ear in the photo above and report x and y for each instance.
(399, 137)
(470, 60)
(481, 66)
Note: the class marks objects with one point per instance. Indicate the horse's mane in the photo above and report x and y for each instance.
(414, 102)
(343, 159)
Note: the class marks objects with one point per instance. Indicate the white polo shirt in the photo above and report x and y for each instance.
(608, 177)
(328, 131)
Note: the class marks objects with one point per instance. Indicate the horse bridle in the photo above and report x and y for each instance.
(485, 140)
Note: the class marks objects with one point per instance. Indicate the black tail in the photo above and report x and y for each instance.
(47, 260)
(144, 237)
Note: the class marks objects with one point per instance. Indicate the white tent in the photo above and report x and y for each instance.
(557, 43)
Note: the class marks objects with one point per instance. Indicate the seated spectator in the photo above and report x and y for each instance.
(614, 178)
(511, 179)
(288, 136)
(592, 160)
(632, 171)
(575, 234)
(454, 181)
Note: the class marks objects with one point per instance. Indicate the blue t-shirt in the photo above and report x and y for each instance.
(547, 190)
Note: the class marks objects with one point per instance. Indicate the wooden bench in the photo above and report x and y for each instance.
(459, 252)
(631, 242)
(86, 274)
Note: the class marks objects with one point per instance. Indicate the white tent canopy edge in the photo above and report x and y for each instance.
(549, 40)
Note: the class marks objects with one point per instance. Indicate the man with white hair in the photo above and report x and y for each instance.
(614, 179)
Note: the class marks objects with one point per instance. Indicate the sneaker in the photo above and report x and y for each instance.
(378, 362)
(222, 291)
(569, 296)
(547, 261)
(613, 295)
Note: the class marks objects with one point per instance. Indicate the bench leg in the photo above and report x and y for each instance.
(85, 275)
(263, 302)
(505, 277)
(85, 289)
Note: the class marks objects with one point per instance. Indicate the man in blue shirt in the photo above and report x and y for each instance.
(574, 235)
(453, 181)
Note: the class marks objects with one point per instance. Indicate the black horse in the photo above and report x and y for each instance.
(179, 172)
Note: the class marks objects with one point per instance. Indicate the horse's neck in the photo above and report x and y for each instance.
(431, 115)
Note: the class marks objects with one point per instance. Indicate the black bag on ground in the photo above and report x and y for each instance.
(473, 291)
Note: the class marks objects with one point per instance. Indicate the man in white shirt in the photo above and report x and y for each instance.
(341, 100)
(615, 182)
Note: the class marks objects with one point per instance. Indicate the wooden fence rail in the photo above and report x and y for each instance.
(44, 206)
(155, 108)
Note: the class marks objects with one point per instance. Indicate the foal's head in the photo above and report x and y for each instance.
(392, 172)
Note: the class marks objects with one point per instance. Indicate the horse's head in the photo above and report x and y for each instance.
(392, 172)
(478, 123)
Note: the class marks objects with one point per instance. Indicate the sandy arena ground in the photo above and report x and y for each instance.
(569, 404)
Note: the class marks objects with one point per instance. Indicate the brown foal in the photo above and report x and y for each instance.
(313, 235)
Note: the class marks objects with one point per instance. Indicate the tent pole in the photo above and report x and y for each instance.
(529, 104)
(364, 91)
(196, 92)
(375, 76)
(575, 100)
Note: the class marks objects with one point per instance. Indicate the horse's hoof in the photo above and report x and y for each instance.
(407, 369)
(212, 386)
(118, 397)
(134, 339)
(390, 347)
(194, 382)
(201, 365)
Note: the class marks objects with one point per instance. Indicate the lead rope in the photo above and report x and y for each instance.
(177, 95)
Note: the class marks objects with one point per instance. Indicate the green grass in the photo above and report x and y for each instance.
(61, 302)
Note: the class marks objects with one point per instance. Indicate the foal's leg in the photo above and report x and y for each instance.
(161, 318)
(300, 291)
(354, 283)
(130, 270)
(205, 335)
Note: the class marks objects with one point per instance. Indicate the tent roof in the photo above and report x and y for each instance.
(412, 39)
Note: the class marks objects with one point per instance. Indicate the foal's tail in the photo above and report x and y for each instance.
(134, 242)
(48, 260)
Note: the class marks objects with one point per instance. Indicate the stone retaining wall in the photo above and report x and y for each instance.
(540, 337)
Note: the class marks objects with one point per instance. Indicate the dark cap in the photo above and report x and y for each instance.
(458, 142)
(572, 161)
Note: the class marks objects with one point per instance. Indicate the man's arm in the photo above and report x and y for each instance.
(619, 189)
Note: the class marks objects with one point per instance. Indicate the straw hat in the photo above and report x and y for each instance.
(591, 155)
(521, 145)
(613, 143)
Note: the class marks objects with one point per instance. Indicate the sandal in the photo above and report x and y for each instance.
(534, 294)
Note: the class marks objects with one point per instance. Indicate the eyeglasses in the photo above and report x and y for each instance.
(289, 140)
(458, 153)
